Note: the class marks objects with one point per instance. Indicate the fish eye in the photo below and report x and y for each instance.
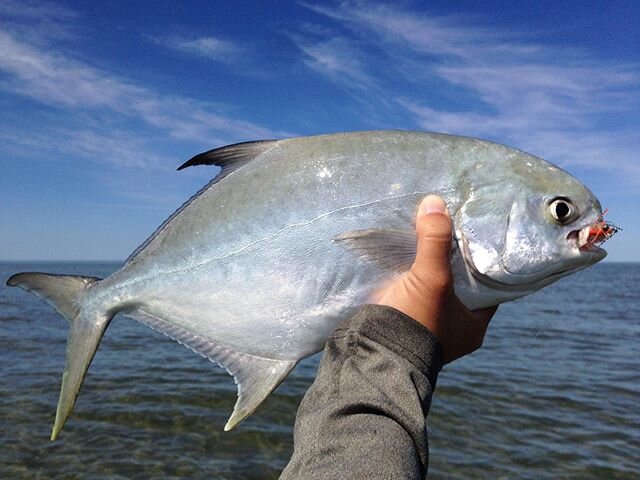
(562, 209)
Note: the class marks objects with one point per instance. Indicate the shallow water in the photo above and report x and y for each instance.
(554, 393)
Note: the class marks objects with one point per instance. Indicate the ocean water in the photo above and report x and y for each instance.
(554, 393)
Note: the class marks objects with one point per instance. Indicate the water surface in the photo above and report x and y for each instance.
(554, 393)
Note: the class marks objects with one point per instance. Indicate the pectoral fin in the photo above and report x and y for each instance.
(390, 249)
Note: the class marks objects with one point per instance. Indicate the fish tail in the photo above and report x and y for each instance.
(66, 293)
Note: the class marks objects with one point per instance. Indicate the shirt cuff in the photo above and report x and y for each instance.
(399, 333)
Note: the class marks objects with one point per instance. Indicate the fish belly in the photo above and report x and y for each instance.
(279, 297)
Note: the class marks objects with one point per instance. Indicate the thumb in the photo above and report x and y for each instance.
(433, 230)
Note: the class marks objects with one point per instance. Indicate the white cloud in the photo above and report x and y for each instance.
(435, 35)
(337, 59)
(553, 101)
(34, 10)
(36, 21)
(37, 67)
(206, 47)
(55, 79)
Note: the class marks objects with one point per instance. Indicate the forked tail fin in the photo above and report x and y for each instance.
(65, 294)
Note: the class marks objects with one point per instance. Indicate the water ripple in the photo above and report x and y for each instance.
(553, 394)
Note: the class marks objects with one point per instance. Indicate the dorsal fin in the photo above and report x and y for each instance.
(229, 157)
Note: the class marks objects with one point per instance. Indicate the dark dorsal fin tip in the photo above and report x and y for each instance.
(222, 156)
(229, 158)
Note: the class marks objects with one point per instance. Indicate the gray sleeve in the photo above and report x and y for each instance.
(365, 414)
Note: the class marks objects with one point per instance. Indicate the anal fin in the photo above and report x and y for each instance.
(255, 376)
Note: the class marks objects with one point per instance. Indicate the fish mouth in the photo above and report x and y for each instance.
(580, 240)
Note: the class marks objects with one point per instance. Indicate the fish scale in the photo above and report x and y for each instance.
(256, 270)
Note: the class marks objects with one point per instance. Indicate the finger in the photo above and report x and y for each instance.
(433, 230)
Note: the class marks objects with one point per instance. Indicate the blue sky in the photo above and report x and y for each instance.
(101, 101)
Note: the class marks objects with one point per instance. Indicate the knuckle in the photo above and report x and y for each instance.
(441, 281)
(435, 226)
(415, 282)
(437, 282)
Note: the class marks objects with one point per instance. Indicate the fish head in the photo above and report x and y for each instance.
(525, 228)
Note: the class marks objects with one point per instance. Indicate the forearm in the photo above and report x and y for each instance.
(365, 414)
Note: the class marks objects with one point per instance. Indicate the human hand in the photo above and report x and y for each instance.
(425, 292)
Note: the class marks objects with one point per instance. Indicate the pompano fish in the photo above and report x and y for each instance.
(255, 271)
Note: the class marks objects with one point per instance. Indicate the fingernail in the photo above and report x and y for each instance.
(432, 204)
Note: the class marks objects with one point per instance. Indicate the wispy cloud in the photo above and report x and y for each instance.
(36, 21)
(338, 59)
(99, 146)
(55, 79)
(58, 80)
(41, 70)
(211, 48)
(457, 75)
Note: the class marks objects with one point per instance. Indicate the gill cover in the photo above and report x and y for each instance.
(482, 224)
(508, 239)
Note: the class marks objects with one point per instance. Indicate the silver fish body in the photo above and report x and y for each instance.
(257, 269)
